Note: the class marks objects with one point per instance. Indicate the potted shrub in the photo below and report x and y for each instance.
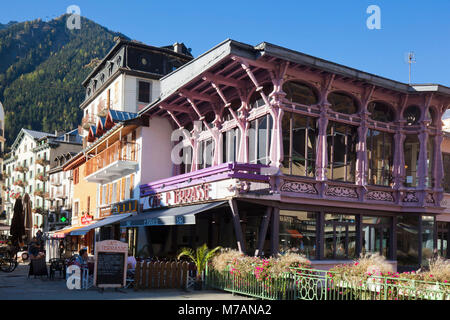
(200, 257)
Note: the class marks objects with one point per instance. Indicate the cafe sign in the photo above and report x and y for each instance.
(188, 195)
(86, 219)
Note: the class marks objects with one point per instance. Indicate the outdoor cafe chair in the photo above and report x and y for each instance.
(57, 265)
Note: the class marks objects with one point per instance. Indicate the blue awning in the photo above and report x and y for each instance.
(169, 216)
(101, 223)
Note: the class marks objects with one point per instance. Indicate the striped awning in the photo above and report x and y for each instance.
(64, 232)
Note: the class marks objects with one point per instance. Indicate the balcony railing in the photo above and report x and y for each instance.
(41, 177)
(60, 195)
(41, 193)
(125, 152)
(42, 162)
(21, 169)
(55, 182)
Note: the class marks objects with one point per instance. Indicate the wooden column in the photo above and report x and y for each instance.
(275, 234)
(237, 225)
(422, 170)
(399, 171)
(263, 231)
(321, 154)
(438, 171)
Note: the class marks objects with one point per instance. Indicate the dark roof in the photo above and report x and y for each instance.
(38, 134)
(120, 42)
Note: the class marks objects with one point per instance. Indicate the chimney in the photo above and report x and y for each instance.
(178, 47)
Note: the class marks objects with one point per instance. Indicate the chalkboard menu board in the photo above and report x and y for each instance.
(110, 267)
(110, 263)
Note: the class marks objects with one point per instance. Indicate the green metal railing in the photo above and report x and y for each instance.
(312, 284)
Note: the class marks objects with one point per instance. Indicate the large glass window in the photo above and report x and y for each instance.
(412, 115)
(446, 163)
(298, 232)
(341, 144)
(298, 92)
(411, 150)
(340, 236)
(205, 153)
(342, 103)
(376, 235)
(186, 156)
(259, 140)
(230, 144)
(380, 154)
(380, 111)
(299, 144)
(443, 229)
(408, 241)
(427, 238)
(256, 99)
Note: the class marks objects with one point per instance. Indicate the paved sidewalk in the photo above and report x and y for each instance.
(16, 286)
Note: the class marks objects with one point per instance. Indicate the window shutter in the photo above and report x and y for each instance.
(110, 192)
(123, 189)
(131, 185)
(118, 191)
(101, 195)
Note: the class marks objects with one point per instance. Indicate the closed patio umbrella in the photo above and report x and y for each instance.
(17, 229)
(28, 216)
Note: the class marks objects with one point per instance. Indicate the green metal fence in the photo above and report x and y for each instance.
(311, 284)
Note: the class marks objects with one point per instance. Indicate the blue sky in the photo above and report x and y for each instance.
(332, 30)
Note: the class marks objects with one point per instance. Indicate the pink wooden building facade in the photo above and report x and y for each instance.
(324, 159)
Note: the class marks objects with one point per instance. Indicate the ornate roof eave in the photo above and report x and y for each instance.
(257, 56)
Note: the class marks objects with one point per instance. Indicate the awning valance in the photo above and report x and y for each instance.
(104, 222)
(169, 216)
(63, 232)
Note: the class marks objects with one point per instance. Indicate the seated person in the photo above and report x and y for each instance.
(34, 252)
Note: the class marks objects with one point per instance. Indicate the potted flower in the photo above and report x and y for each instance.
(200, 257)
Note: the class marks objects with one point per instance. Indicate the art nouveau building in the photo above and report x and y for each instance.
(280, 150)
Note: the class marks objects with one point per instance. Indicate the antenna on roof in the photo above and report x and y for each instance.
(410, 59)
